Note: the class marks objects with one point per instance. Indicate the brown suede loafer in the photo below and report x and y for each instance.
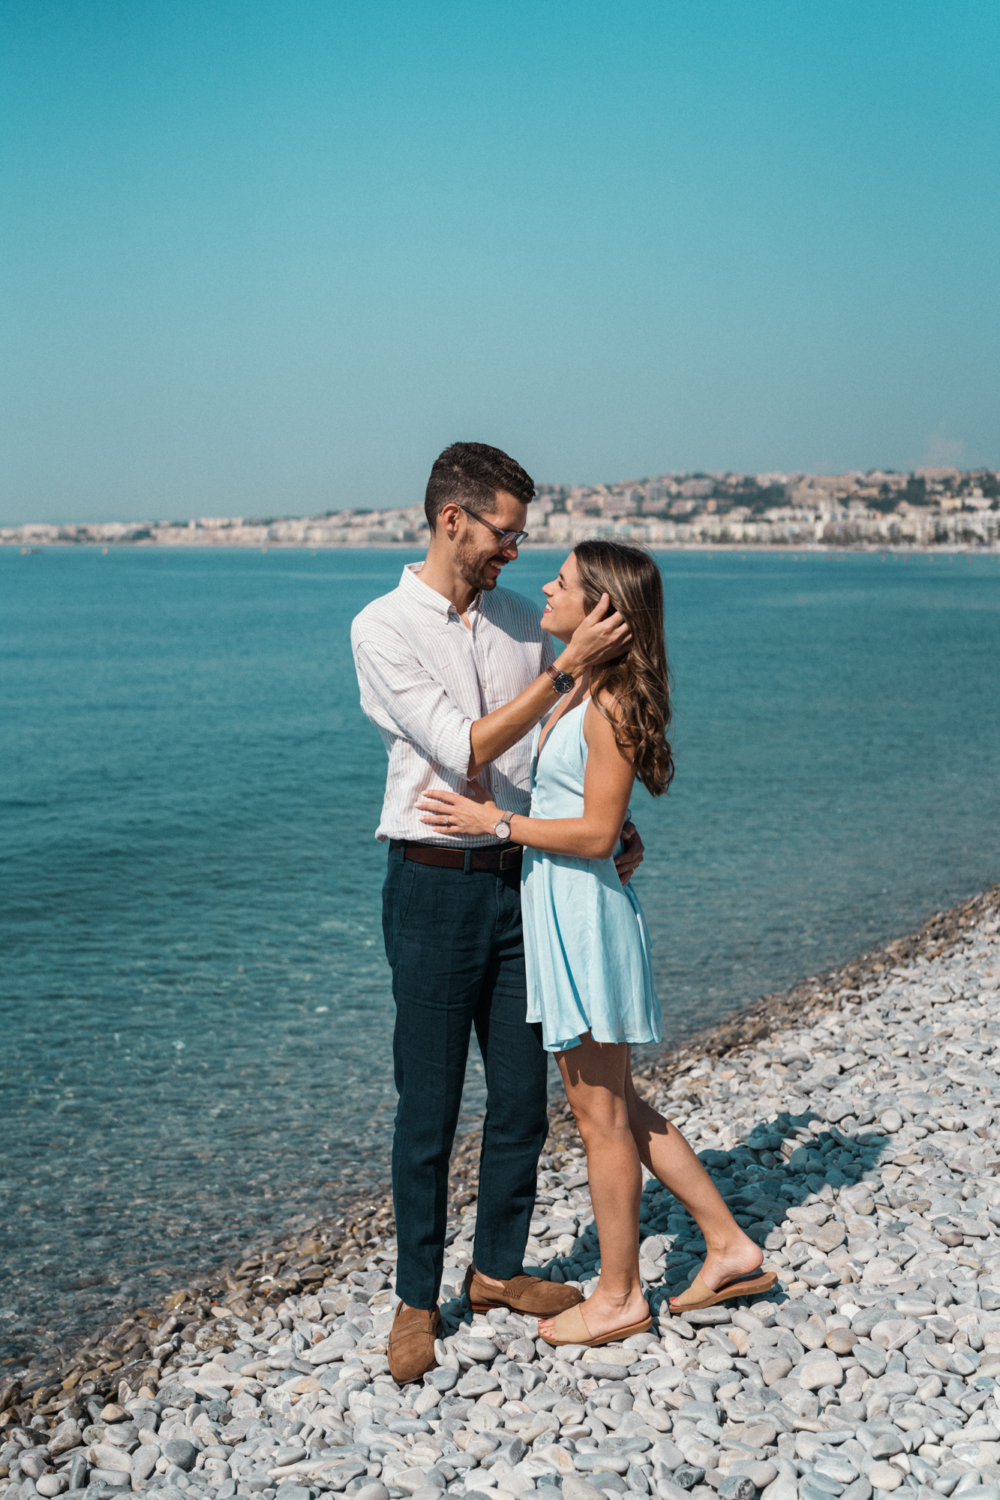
(411, 1343)
(522, 1294)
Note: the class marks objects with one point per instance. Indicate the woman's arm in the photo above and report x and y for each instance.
(607, 787)
(600, 636)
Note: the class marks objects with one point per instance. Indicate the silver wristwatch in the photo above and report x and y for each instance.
(561, 681)
(502, 827)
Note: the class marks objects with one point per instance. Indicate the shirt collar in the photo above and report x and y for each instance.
(422, 593)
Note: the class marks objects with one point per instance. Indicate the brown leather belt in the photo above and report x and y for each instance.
(500, 857)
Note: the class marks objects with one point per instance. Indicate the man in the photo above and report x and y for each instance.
(455, 673)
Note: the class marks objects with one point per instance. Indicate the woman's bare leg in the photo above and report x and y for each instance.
(665, 1153)
(596, 1077)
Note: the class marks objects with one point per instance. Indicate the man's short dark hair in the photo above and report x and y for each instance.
(472, 474)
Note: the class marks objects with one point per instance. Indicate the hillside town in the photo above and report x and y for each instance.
(940, 506)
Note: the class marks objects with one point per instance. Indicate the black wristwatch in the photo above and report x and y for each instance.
(561, 681)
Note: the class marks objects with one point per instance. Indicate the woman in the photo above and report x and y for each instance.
(590, 981)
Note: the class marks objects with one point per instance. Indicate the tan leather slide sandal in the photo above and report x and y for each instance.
(571, 1328)
(701, 1294)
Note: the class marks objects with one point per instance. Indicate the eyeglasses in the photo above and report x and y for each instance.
(505, 538)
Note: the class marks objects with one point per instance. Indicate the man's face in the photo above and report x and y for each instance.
(478, 553)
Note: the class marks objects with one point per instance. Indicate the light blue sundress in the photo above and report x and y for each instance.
(586, 944)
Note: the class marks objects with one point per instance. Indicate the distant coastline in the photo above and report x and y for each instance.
(961, 548)
(927, 509)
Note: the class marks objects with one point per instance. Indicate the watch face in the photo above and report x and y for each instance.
(563, 682)
(502, 830)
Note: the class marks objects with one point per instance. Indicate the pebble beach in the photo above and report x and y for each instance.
(851, 1126)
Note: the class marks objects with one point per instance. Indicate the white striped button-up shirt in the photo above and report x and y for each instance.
(425, 677)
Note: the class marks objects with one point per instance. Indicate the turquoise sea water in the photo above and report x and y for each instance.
(195, 1007)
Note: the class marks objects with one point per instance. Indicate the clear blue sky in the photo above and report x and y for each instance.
(270, 256)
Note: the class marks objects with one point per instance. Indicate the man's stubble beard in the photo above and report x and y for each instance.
(472, 568)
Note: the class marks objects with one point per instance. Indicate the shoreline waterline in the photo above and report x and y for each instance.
(334, 1247)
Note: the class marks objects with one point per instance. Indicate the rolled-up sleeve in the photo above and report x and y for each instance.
(400, 696)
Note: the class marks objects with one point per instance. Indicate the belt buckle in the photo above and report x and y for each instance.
(509, 857)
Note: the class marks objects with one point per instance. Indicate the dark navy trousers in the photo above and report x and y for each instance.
(456, 948)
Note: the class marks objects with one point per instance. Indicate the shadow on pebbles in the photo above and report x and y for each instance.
(851, 1126)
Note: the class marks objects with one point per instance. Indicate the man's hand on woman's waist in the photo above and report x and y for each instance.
(631, 856)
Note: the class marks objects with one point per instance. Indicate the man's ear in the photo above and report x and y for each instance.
(450, 517)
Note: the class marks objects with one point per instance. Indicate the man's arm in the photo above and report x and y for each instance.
(597, 639)
(401, 696)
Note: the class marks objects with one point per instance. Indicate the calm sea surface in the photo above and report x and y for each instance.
(195, 1004)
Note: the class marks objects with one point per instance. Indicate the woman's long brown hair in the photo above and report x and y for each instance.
(637, 681)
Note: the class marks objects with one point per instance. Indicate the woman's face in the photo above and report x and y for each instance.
(566, 607)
